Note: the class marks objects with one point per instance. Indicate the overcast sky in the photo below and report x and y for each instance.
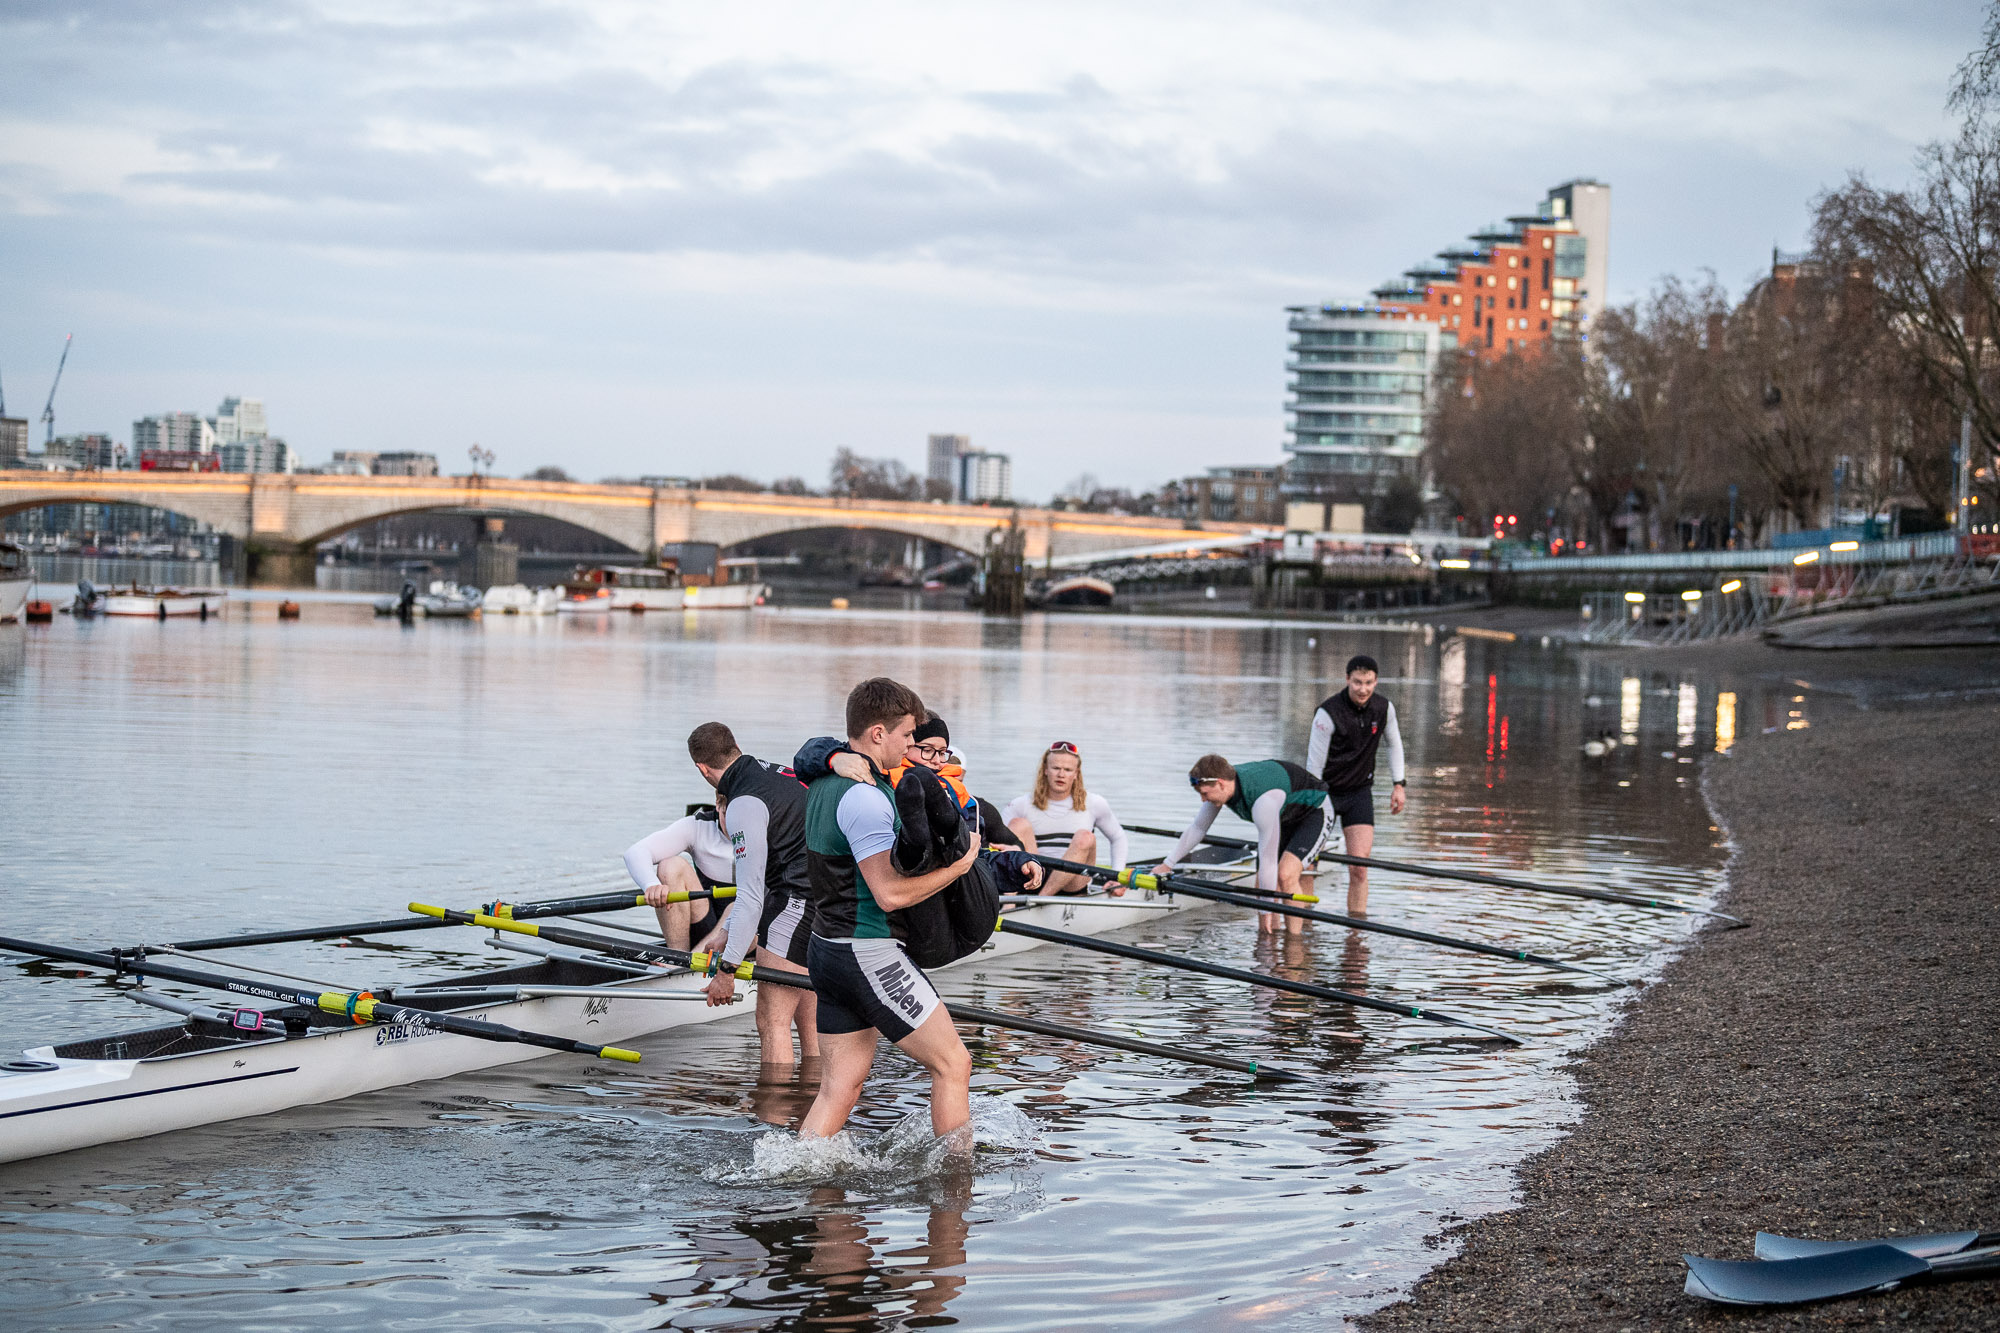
(652, 238)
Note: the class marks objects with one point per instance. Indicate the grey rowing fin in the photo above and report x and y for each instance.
(1816, 1277)
(1770, 1246)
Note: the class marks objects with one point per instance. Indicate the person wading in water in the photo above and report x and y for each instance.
(1285, 803)
(773, 913)
(1346, 732)
(868, 986)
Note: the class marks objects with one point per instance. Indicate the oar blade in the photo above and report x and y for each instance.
(1772, 1246)
(1817, 1277)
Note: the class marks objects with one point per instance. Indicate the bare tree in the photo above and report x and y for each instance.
(872, 478)
(1932, 252)
(1504, 432)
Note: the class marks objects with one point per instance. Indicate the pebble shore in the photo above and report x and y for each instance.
(1831, 1071)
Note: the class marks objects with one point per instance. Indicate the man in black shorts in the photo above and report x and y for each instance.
(1347, 730)
(868, 985)
(1283, 802)
(766, 823)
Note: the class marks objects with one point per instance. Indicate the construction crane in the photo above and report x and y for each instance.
(49, 412)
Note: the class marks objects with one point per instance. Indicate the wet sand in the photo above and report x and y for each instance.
(1828, 1072)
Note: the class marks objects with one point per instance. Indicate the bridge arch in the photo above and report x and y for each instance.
(223, 513)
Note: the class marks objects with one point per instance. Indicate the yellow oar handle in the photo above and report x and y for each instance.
(703, 962)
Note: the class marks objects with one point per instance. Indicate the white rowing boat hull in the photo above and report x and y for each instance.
(1094, 914)
(84, 1102)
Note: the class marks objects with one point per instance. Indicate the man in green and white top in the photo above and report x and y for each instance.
(867, 984)
(1284, 802)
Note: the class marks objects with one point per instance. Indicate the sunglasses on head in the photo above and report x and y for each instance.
(1199, 783)
(1065, 747)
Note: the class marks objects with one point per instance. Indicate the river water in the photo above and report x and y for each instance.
(169, 780)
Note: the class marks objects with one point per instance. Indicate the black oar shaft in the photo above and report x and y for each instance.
(1468, 876)
(748, 971)
(1198, 889)
(966, 1013)
(601, 902)
(354, 1003)
(1186, 964)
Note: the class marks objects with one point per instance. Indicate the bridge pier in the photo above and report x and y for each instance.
(269, 564)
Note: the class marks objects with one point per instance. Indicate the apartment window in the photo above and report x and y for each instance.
(1545, 303)
(1545, 326)
(1510, 284)
(1548, 243)
(1457, 300)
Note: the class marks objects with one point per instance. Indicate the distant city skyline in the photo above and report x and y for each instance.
(623, 240)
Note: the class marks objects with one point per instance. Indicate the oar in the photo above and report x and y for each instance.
(1201, 889)
(358, 1005)
(1237, 974)
(748, 971)
(1822, 1277)
(602, 902)
(1470, 877)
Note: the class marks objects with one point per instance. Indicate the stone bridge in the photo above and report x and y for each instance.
(280, 518)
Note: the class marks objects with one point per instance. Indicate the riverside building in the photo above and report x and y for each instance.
(1362, 376)
(1518, 284)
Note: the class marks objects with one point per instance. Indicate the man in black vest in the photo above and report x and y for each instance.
(1346, 731)
(772, 915)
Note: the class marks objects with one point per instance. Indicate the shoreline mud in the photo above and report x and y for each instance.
(1826, 1072)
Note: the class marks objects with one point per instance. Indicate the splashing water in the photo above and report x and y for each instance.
(906, 1151)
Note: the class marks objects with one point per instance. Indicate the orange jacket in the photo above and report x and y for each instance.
(954, 778)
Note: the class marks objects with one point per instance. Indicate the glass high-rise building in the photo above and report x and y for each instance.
(1360, 380)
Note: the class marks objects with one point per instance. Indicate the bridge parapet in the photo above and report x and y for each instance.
(281, 517)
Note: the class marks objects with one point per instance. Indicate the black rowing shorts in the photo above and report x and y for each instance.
(1300, 835)
(786, 926)
(1353, 807)
(866, 984)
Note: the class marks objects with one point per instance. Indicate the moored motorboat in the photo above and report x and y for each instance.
(633, 588)
(1079, 591)
(450, 601)
(17, 577)
(163, 603)
(518, 599)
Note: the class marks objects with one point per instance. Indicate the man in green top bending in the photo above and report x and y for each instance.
(867, 984)
(1287, 805)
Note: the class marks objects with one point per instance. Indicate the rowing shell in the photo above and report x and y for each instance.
(154, 1080)
(135, 1084)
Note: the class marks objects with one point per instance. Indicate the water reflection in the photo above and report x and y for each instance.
(340, 767)
(829, 1267)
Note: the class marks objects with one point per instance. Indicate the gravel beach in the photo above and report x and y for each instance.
(1828, 1072)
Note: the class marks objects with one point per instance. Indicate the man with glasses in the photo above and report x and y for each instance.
(930, 745)
(1285, 803)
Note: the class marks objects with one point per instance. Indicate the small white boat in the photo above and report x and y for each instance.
(635, 588)
(518, 599)
(449, 601)
(17, 576)
(163, 603)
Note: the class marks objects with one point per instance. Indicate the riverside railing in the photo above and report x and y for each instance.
(1897, 550)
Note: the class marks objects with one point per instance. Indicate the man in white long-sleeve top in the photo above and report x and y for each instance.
(688, 854)
(1347, 732)
(772, 918)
